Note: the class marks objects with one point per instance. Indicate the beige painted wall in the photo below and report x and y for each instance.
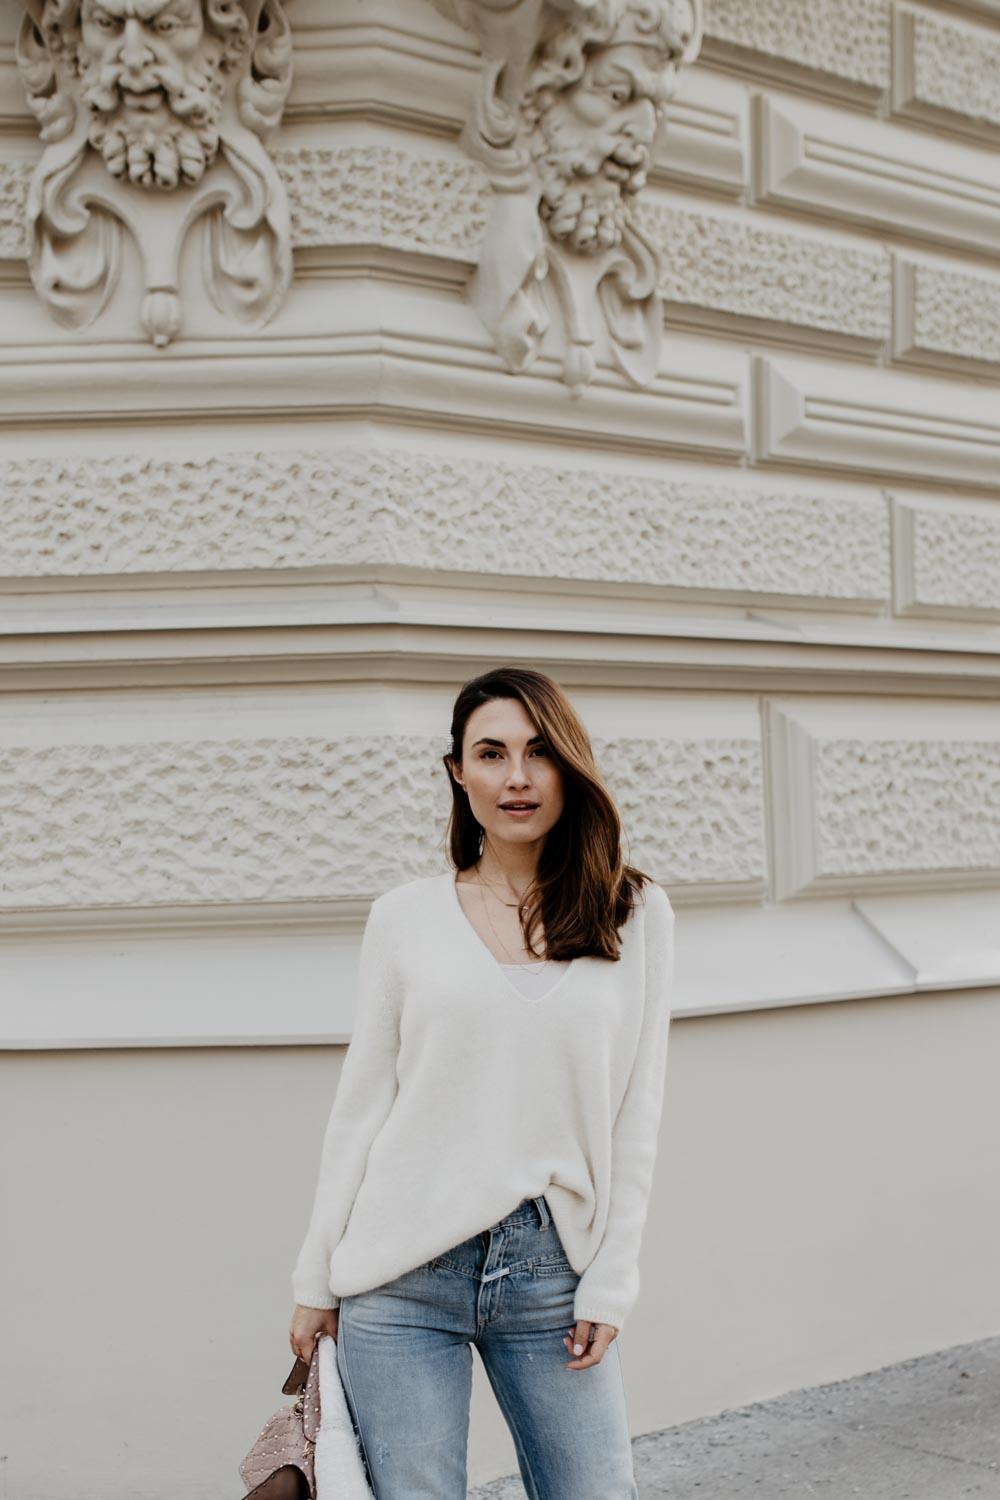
(824, 1204)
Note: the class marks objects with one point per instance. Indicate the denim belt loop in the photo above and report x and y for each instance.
(543, 1211)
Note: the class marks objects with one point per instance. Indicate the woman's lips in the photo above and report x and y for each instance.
(519, 812)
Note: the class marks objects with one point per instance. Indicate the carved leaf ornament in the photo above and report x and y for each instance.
(564, 120)
(154, 115)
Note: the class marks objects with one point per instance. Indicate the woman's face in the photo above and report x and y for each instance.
(504, 761)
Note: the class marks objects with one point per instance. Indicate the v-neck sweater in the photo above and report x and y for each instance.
(535, 982)
(459, 1097)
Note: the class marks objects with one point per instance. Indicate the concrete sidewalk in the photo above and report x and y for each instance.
(925, 1429)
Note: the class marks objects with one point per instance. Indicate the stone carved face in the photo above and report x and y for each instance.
(152, 75)
(592, 107)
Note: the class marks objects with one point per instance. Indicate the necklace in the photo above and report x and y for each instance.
(499, 898)
(494, 885)
(521, 965)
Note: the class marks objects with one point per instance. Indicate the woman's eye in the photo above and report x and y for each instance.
(538, 749)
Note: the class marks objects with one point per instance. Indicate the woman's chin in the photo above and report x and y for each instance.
(526, 831)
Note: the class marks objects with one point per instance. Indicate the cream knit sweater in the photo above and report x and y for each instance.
(459, 1096)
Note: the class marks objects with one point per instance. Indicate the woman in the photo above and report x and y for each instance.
(486, 1169)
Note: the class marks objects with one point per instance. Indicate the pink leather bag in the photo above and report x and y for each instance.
(280, 1465)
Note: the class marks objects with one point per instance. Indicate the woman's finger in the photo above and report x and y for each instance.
(604, 1334)
(584, 1361)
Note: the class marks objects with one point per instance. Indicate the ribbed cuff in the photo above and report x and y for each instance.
(315, 1296)
(593, 1313)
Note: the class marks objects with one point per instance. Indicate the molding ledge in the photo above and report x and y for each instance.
(209, 987)
(747, 65)
(982, 7)
(875, 422)
(391, 634)
(385, 362)
(820, 161)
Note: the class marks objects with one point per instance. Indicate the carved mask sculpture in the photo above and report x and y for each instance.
(154, 113)
(571, 101)
(591, 140)
(151, 74)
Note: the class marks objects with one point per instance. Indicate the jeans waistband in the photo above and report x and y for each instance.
(528, 1209)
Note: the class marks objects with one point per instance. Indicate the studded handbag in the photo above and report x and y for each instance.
(281, 1465)
(310, 1450)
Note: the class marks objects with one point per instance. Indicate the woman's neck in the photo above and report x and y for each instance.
(513, 872)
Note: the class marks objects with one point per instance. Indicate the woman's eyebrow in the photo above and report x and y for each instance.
(536, 739)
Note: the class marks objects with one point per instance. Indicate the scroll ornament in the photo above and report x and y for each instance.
(154, 116)
(570, 99)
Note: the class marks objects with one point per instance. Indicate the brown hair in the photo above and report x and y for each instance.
(583, 890)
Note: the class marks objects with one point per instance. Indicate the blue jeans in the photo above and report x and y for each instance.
(405, 1359)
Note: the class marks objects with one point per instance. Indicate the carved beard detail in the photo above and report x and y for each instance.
(174, 139)
(585, 183)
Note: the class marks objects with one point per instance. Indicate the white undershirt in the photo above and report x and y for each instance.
(536, 979)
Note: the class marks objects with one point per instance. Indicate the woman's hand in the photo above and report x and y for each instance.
(604, 1336)
(307, 1324)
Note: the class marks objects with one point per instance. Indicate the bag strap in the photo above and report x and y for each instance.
(297, 1376)
(312, 1394)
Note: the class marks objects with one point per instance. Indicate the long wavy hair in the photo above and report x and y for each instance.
(583, 890)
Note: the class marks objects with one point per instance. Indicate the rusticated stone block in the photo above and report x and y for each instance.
(299, 509)
(955, 558)
(954, 314)
(887, 806)
(693, 809)
(202, 821)
(732, 266)
(376, 195)
(846, 38)
(310, 817)
(955, 68)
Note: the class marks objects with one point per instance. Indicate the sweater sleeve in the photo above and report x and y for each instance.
(609, 1285)
(365, 1094)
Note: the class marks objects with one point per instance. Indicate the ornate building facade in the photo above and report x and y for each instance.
(345, 351)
